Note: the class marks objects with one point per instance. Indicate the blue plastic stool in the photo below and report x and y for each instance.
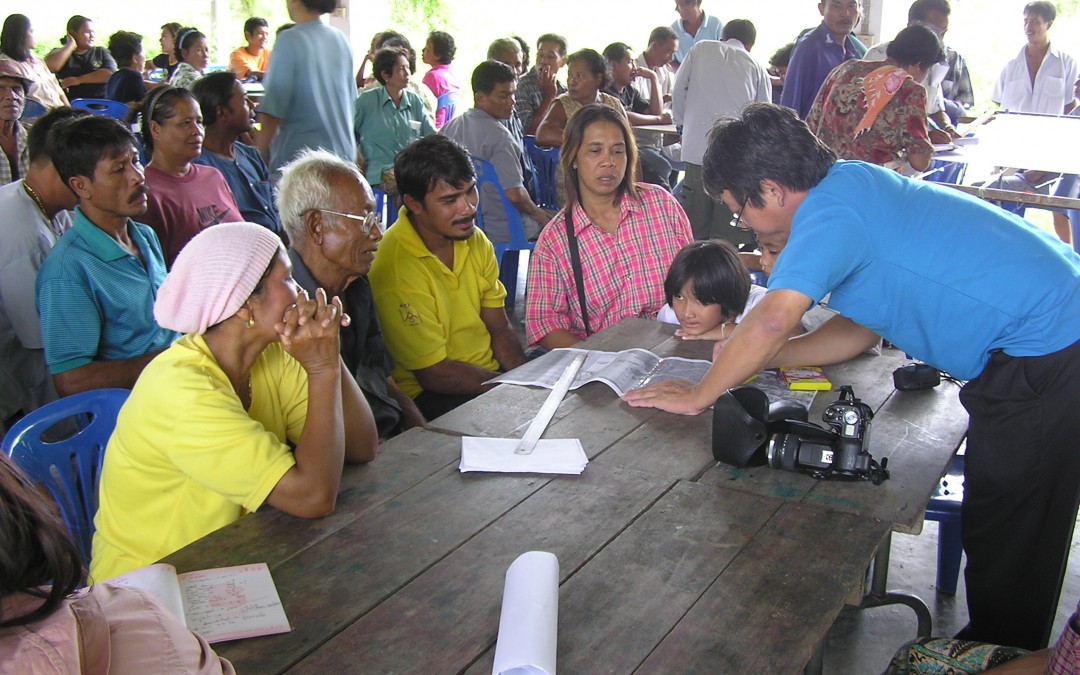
(944, 507)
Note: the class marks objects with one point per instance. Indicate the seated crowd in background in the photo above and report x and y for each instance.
(238, 314)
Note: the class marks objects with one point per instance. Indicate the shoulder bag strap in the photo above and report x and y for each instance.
(575, 263)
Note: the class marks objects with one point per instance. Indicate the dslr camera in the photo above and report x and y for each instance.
(840, 451)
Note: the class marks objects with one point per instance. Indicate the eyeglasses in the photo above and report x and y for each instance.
(367, 223)
(736, 221)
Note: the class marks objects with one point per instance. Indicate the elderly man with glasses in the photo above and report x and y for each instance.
(328, 211)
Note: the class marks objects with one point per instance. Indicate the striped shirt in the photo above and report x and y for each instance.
(623, 271)
(96, 300)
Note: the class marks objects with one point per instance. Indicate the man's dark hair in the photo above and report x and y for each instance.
(552, 37)
(916, 45)
(283, 27)
(490, 73)
(320, 6)
(442, 44)
(255, 22)
(421, 164)
(782, 57)
(713, 268)
(389, 35)
(76, 22)
(384, 62)
(1044, 9)
(213, 91)
(920, 8)
(742, 30)
(13, 39)
(766, 141)
(41, 140)
(616, 51)
(86, 141)
(662, 34)
(185, 37)
(124, 45)
(596, 64)
(526, 52)
(159, 106)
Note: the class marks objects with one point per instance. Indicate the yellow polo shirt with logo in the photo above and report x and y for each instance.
(429, 312)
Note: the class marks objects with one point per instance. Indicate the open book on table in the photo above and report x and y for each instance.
(228, 603)
(633, 368)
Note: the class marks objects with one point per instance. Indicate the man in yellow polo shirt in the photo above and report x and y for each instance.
(436, 283)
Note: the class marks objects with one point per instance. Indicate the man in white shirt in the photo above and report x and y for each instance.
(717, 79)
(658, 58)
(37, 210)
(1040, 79)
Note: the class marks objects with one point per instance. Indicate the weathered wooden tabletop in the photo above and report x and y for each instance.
(669, 563)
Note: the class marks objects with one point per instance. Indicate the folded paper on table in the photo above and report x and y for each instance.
(529, 623)
(552, 455)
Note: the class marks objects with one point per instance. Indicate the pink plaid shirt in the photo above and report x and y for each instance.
(623, 271)
(1065, 656)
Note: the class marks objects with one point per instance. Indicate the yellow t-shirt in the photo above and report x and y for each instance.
(242, 63)
(186, 458)
(428, 312)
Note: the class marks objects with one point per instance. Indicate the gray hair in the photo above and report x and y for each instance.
(305, 186)
(501, 46)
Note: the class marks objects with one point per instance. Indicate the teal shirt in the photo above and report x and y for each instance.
(383, 129)
(96, 300)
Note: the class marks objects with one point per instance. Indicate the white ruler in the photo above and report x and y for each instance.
(551, 404)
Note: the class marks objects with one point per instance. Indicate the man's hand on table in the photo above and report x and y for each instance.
(674, 396)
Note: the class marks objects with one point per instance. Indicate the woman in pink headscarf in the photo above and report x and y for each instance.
(875, 111)
(205, 435)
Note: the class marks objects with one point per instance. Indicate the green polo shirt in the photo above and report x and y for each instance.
(96, 300)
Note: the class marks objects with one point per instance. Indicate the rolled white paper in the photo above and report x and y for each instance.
(529, 624)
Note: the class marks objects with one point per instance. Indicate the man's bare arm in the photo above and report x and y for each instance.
(102, 375)
(504, 342)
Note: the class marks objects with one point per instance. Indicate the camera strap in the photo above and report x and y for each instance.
(575, 263)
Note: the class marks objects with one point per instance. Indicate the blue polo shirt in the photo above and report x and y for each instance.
(96, 300)
(943, 275)
(383, 129)
(711, 28)
(814, 57)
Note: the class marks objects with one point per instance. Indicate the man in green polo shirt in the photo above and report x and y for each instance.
(96, 289)
(436, 283)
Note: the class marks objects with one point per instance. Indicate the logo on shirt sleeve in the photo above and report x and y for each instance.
(408, 316)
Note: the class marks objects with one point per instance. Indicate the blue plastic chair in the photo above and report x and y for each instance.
(69, 468)
(944, 507)
(546, 161)
(447, 103)
(385, 207)
(485, 174)
(103, 107)
(31, 111)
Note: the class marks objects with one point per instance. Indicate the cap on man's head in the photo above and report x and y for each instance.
(14, 70)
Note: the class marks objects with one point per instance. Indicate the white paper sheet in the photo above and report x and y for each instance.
(552, 455)
(529, 623)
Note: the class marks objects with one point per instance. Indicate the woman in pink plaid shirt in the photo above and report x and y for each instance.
(626, 235)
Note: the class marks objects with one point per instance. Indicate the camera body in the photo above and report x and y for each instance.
(837, 452)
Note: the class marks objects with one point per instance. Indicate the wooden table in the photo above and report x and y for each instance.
(668, 563)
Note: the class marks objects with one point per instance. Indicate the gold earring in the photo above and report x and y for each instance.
(251, 322)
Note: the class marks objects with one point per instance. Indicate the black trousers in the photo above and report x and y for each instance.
(1021, 490)
(434, 405)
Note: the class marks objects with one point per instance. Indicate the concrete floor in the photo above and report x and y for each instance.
(862, 642)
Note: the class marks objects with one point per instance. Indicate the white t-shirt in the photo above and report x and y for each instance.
(667, 314)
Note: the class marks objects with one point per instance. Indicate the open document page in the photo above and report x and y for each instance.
(221, 604)
(633, 368)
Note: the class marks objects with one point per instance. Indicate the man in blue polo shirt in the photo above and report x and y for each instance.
(96, 289)
(960, 284)
(817, 52)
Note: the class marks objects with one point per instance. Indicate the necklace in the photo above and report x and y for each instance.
(37, 200)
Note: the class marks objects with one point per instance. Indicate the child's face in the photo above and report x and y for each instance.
(695, 317)
(771, 246)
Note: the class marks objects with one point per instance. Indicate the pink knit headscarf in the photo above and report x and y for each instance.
(214, 276)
